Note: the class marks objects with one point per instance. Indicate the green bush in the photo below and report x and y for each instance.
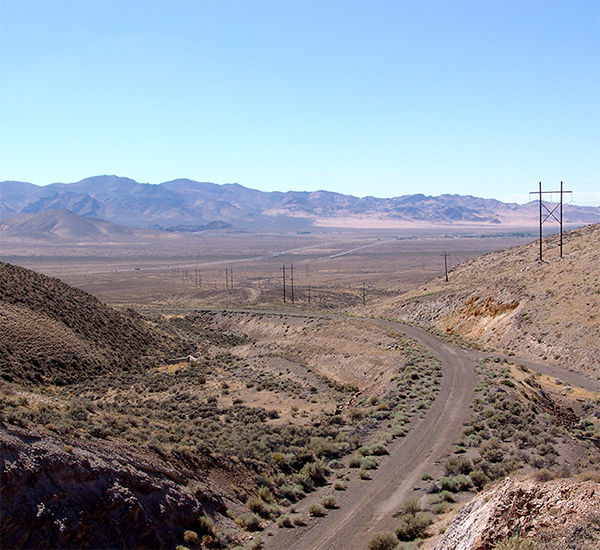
(204, 525)
(191, 538)
(316, 510)
(368, 463)
(285, 521)
(458, 465)
(250, 522)
(339, 485)
(479, 479)
(515, 543)
(315, 471)
(383, 541)
(413, 526)
(379, 449)
(449, 484)
(355, 462)
(329, 502)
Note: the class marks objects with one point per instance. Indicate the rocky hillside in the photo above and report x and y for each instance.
(527, 513)
(512, 302)
(53, 333)
(64, 493)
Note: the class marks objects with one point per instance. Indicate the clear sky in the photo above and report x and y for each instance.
(381, 98)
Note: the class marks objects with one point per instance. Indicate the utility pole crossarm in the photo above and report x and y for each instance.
(550, 213)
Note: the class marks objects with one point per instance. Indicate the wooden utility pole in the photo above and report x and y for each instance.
(364, 294)
(292, 278)
(283, 268)
(445, 265)
(550, 213)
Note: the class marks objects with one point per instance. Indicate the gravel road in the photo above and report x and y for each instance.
(366, 507)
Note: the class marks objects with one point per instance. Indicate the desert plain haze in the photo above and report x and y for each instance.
(379, 99)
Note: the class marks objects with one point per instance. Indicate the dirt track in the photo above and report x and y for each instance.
(366, 507)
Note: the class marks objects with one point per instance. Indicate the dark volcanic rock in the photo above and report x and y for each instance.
(91, 495)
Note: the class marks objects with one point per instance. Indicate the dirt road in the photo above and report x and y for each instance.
(366, 507)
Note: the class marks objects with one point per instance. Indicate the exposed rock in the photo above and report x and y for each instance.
(93, 495)
(563, 512)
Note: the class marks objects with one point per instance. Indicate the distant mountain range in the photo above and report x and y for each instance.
(186, 205)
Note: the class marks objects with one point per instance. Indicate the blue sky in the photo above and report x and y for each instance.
(361, 97)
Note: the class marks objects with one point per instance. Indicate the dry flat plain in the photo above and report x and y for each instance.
(237, 270)
(360, 427)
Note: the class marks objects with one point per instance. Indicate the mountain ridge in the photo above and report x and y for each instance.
(183, 201)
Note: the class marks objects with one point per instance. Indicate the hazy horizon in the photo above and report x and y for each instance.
(381, 98)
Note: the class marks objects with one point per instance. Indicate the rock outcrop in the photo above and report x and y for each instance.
(562, 513)
(93, 495)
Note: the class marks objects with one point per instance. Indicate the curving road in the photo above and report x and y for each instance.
(367, 507)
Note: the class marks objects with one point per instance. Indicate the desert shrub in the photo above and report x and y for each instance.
(265, 494)
(440, 507)
(446, 496)
(463, 483)
(209, 541)
(262, 508)
(492, 451)
(299, 521)
(292, 492)
(449, 484)
(315, 471)
(355, 462)
(204, 525)
(368, 463)
(515, 543)
(329, 502)
(379, 449)
(458, 465)
(544, 475)
(285, 521)
(413, 526)
(316, 510)
(191, 537)
(255, 544)
(251, 522)
(410, 506)
(383, 541)
(339, 485)
(364, 474)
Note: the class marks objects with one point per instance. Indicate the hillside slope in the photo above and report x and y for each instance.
(510, 301)
(54, 333)
(64, 226)
(551, 515)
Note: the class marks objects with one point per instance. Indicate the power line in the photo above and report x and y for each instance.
(551, 213)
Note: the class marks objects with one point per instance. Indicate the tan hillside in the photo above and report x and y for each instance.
(512, 302)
